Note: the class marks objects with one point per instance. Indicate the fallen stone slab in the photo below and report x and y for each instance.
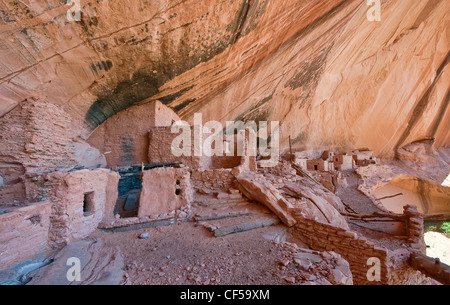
(317, 208)
(260, 190)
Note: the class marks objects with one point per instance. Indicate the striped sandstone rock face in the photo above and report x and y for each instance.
(320, 67)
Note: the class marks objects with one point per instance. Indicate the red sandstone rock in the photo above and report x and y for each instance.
(24, 232)
(263, 192)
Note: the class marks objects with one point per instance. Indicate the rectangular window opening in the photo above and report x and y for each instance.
(88, 204)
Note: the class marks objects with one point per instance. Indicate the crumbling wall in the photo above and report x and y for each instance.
(12, 195)
(327, 179)
(124, 137)
(160, 149)
(164, 190)
(23, 233)
(282, 169)
(79, 201)
(33, 138)
(225, 162)
(415, 228)
(214, 180)
(353, 248)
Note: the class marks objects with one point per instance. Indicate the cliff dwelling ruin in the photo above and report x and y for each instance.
(322, 156)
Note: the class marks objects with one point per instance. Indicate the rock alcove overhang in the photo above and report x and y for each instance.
(331, 77)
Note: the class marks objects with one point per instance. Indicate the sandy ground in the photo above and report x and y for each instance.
(185, 254)
(439, 246)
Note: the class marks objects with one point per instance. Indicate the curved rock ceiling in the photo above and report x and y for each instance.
(331, 77)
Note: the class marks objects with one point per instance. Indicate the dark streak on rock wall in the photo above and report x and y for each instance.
(144, 83)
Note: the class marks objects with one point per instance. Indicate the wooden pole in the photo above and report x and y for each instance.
(290, 149)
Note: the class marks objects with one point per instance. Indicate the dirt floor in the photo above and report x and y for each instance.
(186, 254)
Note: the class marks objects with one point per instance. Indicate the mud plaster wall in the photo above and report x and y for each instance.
(356, 250)
(24, 233)
(124, 137)
(165, 190)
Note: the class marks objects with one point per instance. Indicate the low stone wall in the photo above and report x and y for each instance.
(355, 249)
(214, 180)
(24, 233)
(282, 169)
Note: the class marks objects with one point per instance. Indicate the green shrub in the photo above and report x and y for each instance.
(432, 228)
(445, 227)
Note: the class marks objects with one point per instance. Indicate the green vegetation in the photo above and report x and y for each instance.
(432, 228)
(445, 227)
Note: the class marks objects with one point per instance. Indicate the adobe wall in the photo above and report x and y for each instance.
(124, 137)
(316, 165)
(343, 162)
(24, 233)
(165, 190)
(36, 136)
(355, 249)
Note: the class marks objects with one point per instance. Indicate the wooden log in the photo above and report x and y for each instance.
(376, 215)
(436, 217)
(221, 216)
(247, 226)
(432, 267)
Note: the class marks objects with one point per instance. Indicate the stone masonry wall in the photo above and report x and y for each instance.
(214, 180)
(79, 201)
(35, 135)
(355, 249)
(124, 136)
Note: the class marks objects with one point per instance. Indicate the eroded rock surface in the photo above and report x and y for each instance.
(99, 265)
(290, 61)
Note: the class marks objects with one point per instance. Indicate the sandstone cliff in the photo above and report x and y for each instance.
(333, 78)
